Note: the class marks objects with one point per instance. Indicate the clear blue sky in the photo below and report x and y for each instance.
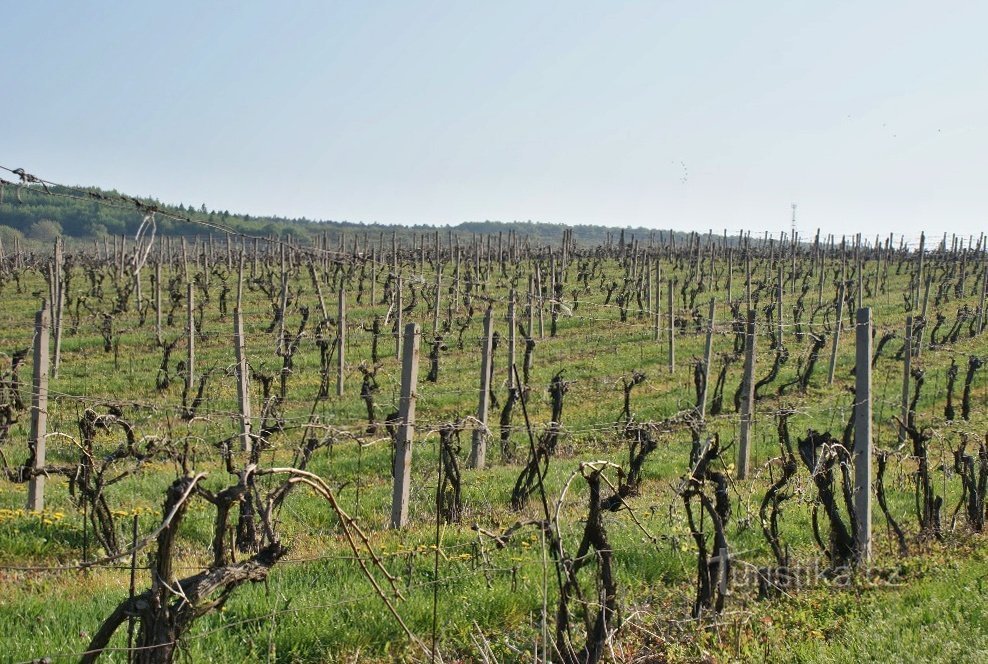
(871, 116)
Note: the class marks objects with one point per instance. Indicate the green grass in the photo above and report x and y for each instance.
(316, 606)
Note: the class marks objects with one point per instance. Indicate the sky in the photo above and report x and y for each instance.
(872, 117)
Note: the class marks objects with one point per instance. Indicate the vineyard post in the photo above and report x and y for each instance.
(243, 396)
(984, 297)
(439, 296)
(707, 358)
(878, 266)
(538, 292)
(59, 282)
(398, 316)
(341, 345)
(157, 301)
(185, 260)
(658, 293)
(887, 258)
(120, 256)
(406, 428)
(645, 283)
(859, 271)
(552, 290)
(816, 253)
(747, 276)
(531, 307)
(52, 269)
(422, 253)
(478, 452)
(672, 325)
(240, 280)
(918, 345)
(39, 408)
(862, 434)
(963, 269)
(394, 255)
(907, 353)
(373, 277)
(511, 338)
(191, 358)
(919, 273)
(283, 307)
(207, 257)
(565, 255)
(837, 329)
(779, 294)
(747, 394)
(730, 276)
(795, 248)
(456, 268)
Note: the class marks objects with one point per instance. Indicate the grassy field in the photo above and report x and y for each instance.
(317, 606)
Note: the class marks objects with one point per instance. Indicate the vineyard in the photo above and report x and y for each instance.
(359, 445)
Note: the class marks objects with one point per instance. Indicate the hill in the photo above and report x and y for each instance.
(87, 212)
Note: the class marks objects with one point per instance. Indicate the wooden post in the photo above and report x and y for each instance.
(511, 338)
(918, 343)
(907, 354)
(919, 273)
(730, 276)
(59, 283)
(658, 292)
(862, 434)
(398, 316)
(747, 278)
(120, 256)
(394, 253)
(747, 395)
(837, 330)
(373, 277)
(243, 396)
(981, 307)
(39, 408)
(185, 260)
(478, 452)
(157, 301)
(341, 346)
(707, 359)
(406, 428)
(779, 295)
(283, 306)
(531, 308)
(207, 257)
(672, 325)
(191, 357)
(439, 291)
(541, 305)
